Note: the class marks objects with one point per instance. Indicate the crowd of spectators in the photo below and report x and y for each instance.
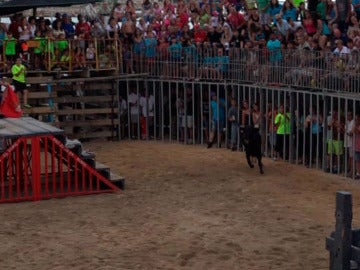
(207, 35)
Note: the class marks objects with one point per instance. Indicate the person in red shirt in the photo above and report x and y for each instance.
(236, 19)
(83, 28)
(200, 33)
(9, 104)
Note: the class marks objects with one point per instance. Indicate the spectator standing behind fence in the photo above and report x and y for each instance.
(68, 26)
(282, 122)
(233, 117)
(175, 53)
(314, 125)
(256, 116)
(348, 142)
(147, 103)
(150, 51)
(270, 116)
(123, 115)
(217, 112)
(188, 119)
(18, 72)
(356, 133)
(134, 105)
(245, 114)
(24, 30)
(10, 49)
(275, 56)
(90, 55)
(335, 142)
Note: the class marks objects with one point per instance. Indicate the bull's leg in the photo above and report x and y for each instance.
(249, 160)
(260, 164)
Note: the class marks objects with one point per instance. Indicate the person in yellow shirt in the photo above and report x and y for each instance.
(282, 123)
(18, 71)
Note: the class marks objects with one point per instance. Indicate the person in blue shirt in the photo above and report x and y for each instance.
(275, 8)
(221, 64)
(217, 112)
(191, 58)
(68, 26)
(175, 53)
(289, 11)
(150, 43)
(274, 47)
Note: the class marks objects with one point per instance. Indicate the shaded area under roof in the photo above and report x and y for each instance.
(15, 6)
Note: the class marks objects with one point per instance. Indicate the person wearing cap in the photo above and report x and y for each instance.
(18, 71)
(57, 19)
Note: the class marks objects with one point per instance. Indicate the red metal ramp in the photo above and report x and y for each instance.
(41, 167)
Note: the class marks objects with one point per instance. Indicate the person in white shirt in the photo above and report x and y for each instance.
(147, 103)
(348, 144)
(293, 26)
(340, 48)
(133, 101)
(282, 26)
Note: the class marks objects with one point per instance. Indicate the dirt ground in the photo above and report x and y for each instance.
(184, 207)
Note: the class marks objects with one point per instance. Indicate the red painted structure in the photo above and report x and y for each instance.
(37, 165)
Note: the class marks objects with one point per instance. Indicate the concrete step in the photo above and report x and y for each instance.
(117, 180)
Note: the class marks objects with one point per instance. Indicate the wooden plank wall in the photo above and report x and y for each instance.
(86, 108)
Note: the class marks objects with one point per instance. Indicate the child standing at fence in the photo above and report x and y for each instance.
(10, 49)
(90, 55)
(356, 133)
(38, 50)
(128, 58)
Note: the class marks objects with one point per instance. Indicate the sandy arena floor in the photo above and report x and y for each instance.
(185, 207)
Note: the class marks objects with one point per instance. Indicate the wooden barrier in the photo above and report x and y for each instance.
(344, 243)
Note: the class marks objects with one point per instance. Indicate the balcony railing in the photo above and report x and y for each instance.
(314, 70)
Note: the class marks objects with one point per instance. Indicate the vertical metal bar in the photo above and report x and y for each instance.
(36, 167)
(193, 140)
(138, 109)
(20, 170)
(69, 169)
(46, 162)
(61, 171)
(53, 166)
(76, 173)
(161, 109)
(117, 85)
(170, 112)
(2, 178)
(202, 126)
(177, 113)
(128, 111)
(83, 178)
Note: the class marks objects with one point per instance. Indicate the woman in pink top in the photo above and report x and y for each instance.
(309, 24)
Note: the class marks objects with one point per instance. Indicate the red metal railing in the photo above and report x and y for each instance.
(41, 167)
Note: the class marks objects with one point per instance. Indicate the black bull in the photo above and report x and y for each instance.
(251, 139)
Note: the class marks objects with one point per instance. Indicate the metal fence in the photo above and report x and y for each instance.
(296, 68)
(315, 125)
(301, 69)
